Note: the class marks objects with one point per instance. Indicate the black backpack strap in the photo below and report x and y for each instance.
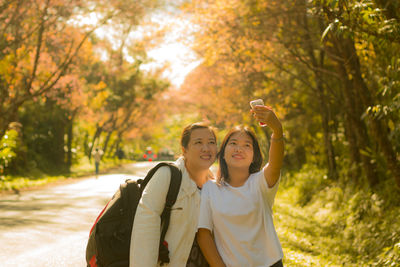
(173, 190)
(143, 182)
(174, 186)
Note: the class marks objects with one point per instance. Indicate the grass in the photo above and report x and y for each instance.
(337, 226)
(37, 178)
(305, 240)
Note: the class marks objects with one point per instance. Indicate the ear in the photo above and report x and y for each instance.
(183, 151)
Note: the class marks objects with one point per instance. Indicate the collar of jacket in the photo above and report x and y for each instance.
(188, 186)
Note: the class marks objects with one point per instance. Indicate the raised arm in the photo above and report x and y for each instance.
(266, 115)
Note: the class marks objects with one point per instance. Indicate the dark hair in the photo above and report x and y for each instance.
(255, 166)
(187, 132)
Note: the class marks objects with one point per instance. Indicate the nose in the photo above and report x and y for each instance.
(238, 148)
(205, 147)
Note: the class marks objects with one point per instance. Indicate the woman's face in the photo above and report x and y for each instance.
(239, 151)
(201, 150)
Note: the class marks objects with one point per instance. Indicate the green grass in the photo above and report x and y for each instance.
(37, 178)
(336, 225)
(85, 167)
(306, 241)
(12, 183)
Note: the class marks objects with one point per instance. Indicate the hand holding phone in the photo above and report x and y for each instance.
(257, 102)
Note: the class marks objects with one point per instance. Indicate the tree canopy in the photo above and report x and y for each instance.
(330, 68)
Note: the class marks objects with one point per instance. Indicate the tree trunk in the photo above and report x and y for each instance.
(97, 134)
(106, 142)
(355, 157)
(326, 118)
(379, 127)
(85, 143)
(317, 63)
(70, 137)
(69, 145)
(112, 148)
(117, 143)
(354, 108)
(58, 145)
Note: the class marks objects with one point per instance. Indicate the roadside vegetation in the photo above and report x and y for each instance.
(321, 223)
(36, 178)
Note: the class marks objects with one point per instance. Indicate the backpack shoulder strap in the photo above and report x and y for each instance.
(172, 194)
(174, 186)
(143, 182)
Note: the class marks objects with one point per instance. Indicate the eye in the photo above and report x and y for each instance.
(212, 142)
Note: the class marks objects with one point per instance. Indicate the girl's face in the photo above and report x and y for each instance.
(201, 150)
(239, 151)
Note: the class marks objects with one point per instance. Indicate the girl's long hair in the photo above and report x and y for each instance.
(255, 166)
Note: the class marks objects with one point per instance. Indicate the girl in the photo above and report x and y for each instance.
(235, 224)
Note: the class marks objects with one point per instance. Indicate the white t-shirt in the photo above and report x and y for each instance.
(241, 220)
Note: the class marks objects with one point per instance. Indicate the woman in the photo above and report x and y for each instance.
(235, 225)
(199, 151)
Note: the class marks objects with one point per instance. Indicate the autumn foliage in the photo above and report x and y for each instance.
(66, 86)
(330, 68)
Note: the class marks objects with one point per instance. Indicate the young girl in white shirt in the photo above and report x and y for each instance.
(235, 225)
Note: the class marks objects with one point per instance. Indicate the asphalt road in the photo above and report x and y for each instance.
(50, 226)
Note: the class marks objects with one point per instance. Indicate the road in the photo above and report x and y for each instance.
(50, 226)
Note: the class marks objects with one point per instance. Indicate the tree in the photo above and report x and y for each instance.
(45, 54)
(359, 96)
(39, 43)
(273, 49)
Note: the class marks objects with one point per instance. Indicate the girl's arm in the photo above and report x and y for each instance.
(276, 150)
(207, 245)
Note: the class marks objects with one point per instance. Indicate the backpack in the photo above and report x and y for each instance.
(110, 236)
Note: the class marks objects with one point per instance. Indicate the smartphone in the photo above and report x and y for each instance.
(257, 102)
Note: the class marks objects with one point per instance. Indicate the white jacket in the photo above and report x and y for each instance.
(183, 223)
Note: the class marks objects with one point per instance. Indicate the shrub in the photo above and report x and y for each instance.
(309, 181)
(8, 145)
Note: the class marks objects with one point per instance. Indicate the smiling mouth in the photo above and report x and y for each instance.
(206, 157)
(237, 156)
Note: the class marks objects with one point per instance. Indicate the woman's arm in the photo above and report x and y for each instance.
(276, 150)
(207, 245)
(146, 232)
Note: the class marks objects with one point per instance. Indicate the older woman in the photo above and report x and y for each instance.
(199, 149)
